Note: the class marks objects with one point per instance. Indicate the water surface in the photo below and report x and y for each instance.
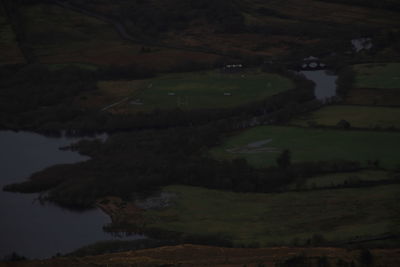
(325, 83)
(26, 226)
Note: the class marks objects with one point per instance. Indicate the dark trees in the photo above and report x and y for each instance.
(343, 124)
(284, 160)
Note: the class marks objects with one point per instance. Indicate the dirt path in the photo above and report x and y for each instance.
(255, 147)
(115, 104)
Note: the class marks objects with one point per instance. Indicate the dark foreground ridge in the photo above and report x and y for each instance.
(191, 255)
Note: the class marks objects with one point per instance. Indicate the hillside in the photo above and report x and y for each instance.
(195, 32)
(208, 103)
(190, 255)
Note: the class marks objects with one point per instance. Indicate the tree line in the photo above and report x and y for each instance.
(383, 4)
(143, 161)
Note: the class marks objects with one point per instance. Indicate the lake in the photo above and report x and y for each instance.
(27, 227)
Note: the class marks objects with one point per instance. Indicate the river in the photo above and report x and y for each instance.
(325, 83)
(27, 227)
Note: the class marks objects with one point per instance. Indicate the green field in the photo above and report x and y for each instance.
(340, 179)
(357, 116)
(310, 145)
(280, 219)
(200, 90)
(385, 76)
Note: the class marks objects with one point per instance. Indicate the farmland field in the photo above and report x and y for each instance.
(378, 76)
(375, 84)
(200, 90)
(308, 144)
(373, 97)
(341, 179)
(357, 116)
(281, 219)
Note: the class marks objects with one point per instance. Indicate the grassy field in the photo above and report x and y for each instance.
(385, 76)
(310, 145)
(339, 179)
(197, 90)
(280, 219)
(357, 116)
(375, 84)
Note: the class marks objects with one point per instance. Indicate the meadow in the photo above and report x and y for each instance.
(281, 219)
(375, 84)
(306, 144)
(197, 90)
(358, 116)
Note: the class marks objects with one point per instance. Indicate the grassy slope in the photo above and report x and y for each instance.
(280, 218)
(357, 116)
(290, 24)
(189, 255)
(285, 25)
(323, 12)
(59, 35)
(315, 144)
(194, 90)
(10, 53)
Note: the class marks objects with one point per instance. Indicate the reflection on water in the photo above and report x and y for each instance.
(28, 228)
(325, 83)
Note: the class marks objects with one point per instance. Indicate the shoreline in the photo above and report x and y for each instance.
(125, 216)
